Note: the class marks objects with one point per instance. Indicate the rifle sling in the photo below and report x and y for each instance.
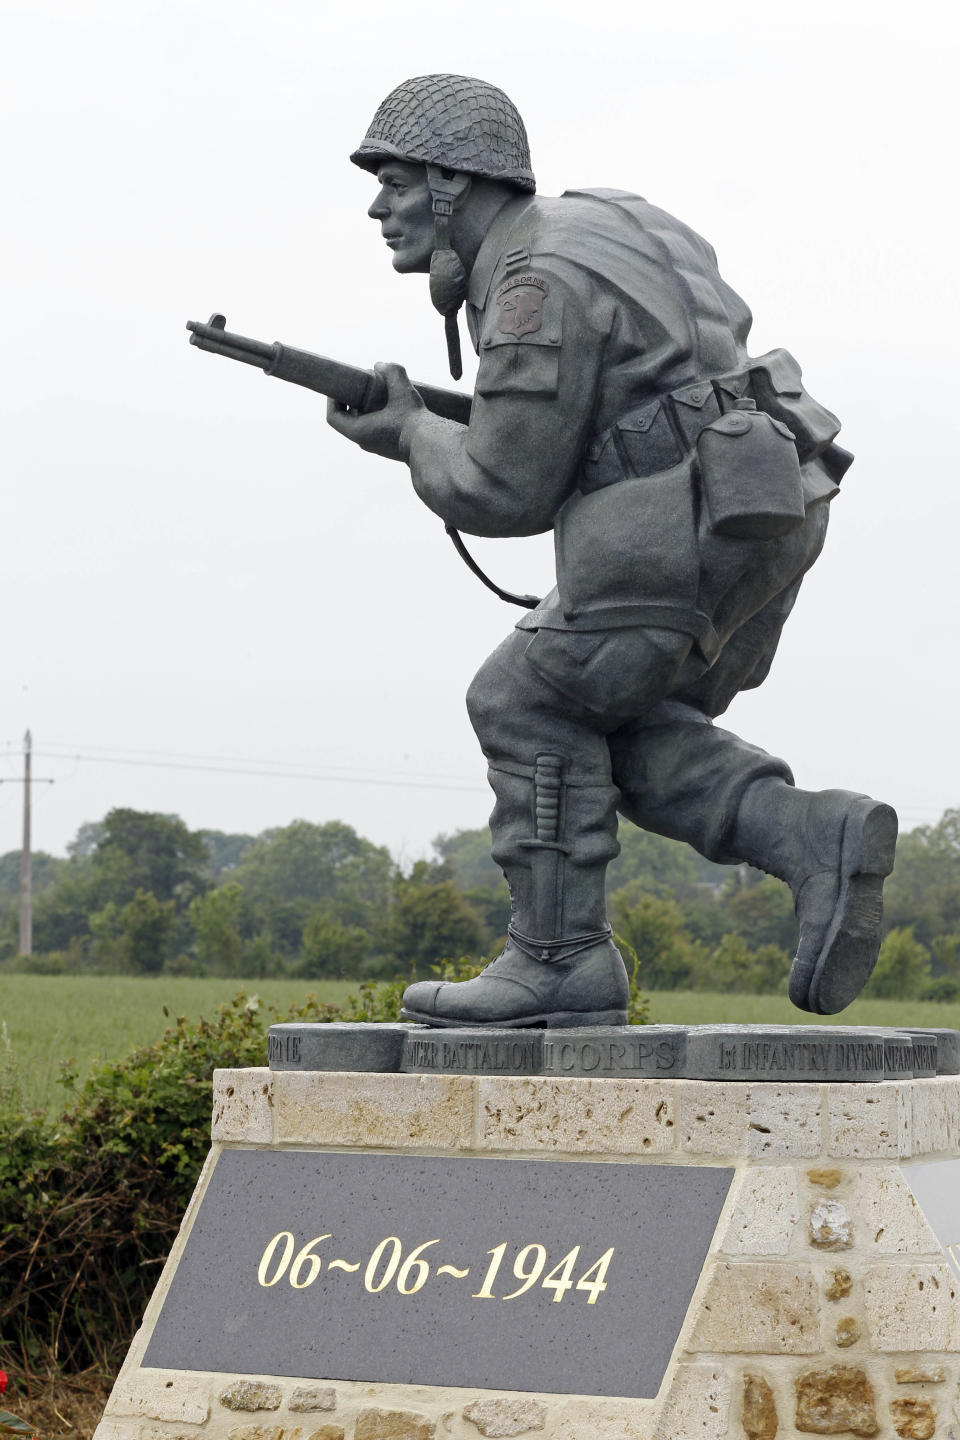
(528, 602)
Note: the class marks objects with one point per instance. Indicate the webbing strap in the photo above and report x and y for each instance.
(528, 602)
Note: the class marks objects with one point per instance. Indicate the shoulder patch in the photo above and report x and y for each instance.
(520, 303)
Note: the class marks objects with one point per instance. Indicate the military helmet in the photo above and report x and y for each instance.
(453, 121)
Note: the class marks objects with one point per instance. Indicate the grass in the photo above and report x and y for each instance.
(45, 1020)
(700, 1007)
(48, 1019)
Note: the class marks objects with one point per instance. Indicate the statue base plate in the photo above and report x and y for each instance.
(778, 1053)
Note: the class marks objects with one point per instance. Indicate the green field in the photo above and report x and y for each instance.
(47, 1019)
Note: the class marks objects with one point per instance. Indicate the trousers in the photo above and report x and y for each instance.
(629, 713)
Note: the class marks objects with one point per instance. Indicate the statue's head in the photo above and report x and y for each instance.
(431, 139)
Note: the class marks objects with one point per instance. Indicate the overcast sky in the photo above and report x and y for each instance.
(198, 573)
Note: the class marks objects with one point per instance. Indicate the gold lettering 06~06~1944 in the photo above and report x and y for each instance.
(388, 1266)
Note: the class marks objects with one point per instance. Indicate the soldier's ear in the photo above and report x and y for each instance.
(451, 185)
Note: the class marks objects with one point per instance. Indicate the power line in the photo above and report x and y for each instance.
(325, 777)
(70, 748)
(64, 749)
(260, 768)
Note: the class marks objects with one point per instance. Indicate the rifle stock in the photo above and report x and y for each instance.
(361, 390)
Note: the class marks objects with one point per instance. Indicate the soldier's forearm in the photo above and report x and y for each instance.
(463, 492)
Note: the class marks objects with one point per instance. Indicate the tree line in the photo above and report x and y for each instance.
(141, 893)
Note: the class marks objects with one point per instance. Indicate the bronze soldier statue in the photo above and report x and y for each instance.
(687, 486)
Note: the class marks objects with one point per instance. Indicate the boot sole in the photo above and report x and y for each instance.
(852, 941)
(553, 1020)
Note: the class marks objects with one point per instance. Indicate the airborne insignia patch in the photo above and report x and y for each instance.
(520, 302)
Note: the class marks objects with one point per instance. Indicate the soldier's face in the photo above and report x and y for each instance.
(404, 208)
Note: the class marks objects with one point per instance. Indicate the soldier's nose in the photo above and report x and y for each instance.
(379, 209)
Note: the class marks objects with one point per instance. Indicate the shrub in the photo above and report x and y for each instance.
(903, 968)
(944, 990)
(90, 1204)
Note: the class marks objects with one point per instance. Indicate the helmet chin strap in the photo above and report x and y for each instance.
(448, 278)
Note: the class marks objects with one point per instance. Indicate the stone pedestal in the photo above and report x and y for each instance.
(827, 1303)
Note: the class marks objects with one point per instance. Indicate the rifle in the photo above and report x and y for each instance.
(362, 390)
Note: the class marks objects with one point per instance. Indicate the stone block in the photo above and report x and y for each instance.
(912, 1307)
(313, 1397)
(251, 1395)
(830, 1227)
(376, 1424)
(713, 1117)
(759, 1309)
(617, 1117)
(784, 1121)
(925, 1048)
(242, 1106)
(118, 1430)
(336, 1045)
(898, 1055)
(920, 1374)
(839, 1284)
(760, 1420)
(764, 1214)
(913, 1417)
(869, 1122)
(892, 1221)
(602, 1421)
(784, 1053)
(509, 1415)
(618, 1052)
(327, 1432)
(161, 1395)
(936, 1115)
(476, 1051)
(948, 1048)
(847, 1332)
(392, 1111)
(697, 1403)
(263, 1432)
(165, 1432)
(836, 1401)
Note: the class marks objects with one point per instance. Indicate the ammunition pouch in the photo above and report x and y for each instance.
(663, 432)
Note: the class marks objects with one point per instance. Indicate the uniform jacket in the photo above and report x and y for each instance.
(607, 341)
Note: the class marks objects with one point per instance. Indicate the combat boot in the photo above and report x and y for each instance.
(834, 849)
(560, 966)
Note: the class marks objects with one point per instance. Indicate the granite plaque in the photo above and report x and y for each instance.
(473, 1051)
(936, 1189)
(837, 1053)
(623, 1051)
(553, 1276)
(897, 1054)
(337, 1045)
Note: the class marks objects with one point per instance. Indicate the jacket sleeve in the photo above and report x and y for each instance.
(511, 469)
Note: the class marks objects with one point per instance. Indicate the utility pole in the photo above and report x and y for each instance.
(26, 857)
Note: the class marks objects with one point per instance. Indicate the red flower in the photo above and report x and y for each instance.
(4, 1381)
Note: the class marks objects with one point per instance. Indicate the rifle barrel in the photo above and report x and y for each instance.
(221, 337)
(362, 390)
(230, 351)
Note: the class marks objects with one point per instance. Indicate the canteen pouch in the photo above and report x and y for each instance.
(750, 475)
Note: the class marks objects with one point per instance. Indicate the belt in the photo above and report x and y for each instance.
(660, 433)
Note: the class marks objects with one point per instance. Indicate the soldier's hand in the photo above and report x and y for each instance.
(380, 430)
